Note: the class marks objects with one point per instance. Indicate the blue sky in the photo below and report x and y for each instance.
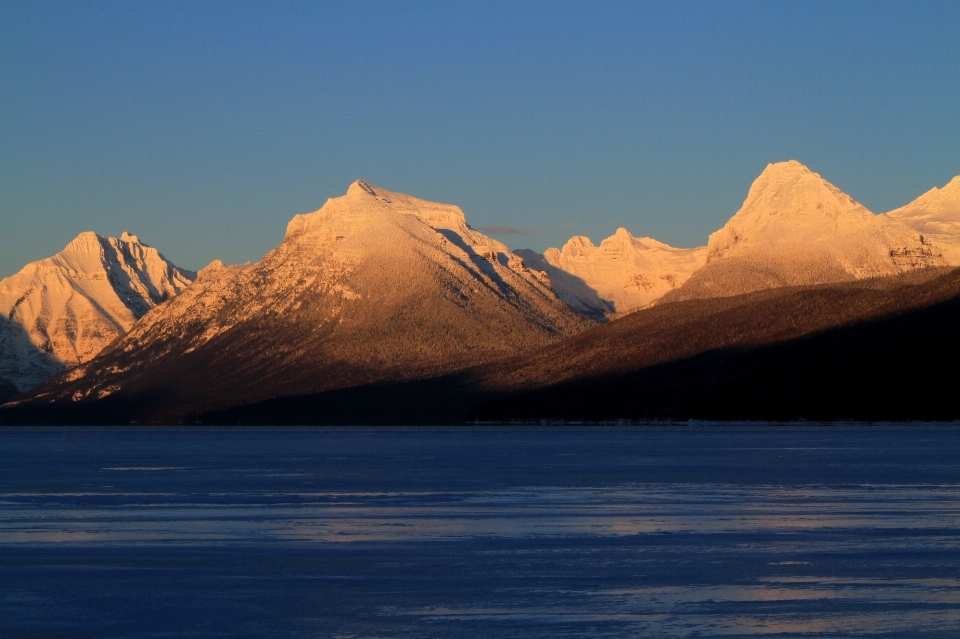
(204, 127)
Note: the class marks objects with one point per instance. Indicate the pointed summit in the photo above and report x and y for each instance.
(788, 204)
(364, 205)
(61, 311)
(936, 214)
(87, 243)
(795, 228)
(373, 287)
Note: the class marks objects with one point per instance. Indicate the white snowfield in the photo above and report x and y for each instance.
(623, 274)
(63, 310)
(936, 215)
(794, 228)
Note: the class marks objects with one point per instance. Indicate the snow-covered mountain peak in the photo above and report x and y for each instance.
(789, 169)
(361, 187)
(374, 285)
(788, 204)
(936, 214)
(620, 275)
(215, 265)
(795, 228)
(365, 205)
(576, 246)
(62, 310)
(941, 202)
(87, 243)
(790, 188)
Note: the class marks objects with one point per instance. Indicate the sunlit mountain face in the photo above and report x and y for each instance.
(936, 214)
(373, 286)
(62, 311)
(380, 305)
(795, 228)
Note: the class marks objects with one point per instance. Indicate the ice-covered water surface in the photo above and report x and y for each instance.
(499, 532)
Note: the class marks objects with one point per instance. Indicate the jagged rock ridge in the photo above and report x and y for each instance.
(623, 274)
(936, 215)
(795, 228)
(375, 286)
(61, 311)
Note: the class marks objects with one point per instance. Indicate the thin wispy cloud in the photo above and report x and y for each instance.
(508, 230)
(497, 229)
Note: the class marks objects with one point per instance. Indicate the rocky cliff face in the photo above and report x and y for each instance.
(795, 228)
(936, 215)
(373, 287)
(623, 274)
(63, 310)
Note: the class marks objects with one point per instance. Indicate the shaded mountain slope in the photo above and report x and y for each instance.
(61, 311)
(373, 286)
(874, 349)
(7, 389)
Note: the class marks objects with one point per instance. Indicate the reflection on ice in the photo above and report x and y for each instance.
(431, 515)
(556, 533)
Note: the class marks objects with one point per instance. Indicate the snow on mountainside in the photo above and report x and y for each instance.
(61, 311)
(374, 286)
(936, 214)
(796, 228)
(623, 274)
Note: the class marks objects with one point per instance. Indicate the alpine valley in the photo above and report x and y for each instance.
(383, 308)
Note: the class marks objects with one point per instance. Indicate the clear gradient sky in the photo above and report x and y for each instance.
(204, 127)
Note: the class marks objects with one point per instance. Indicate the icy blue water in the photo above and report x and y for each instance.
(672, 532)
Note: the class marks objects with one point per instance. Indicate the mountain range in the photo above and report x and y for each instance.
(383, 307)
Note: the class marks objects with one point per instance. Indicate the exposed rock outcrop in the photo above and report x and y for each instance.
(936, 215)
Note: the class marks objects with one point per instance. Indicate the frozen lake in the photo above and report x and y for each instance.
(487, 532)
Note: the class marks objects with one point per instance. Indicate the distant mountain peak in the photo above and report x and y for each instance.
(362, 189)
(373, 286)
(780, 171)
(85, 243)
(937, 202)
(576, 245)
(62, 310)
(796, 228)
(786, 188)
(936, 214)
(364, 204)
(620, 275)
(788, 204)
